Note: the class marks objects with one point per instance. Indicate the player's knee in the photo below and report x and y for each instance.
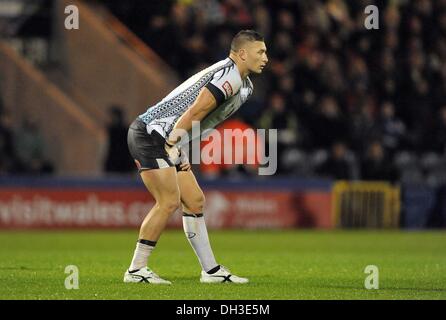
(196, 204)
(169, 205)
(199, 202)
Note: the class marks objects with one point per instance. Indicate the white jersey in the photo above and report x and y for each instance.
(222, 79)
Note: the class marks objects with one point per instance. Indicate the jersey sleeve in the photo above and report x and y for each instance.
(225, 84)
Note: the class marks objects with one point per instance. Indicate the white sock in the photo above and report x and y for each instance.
(195, 228)
(141, 254)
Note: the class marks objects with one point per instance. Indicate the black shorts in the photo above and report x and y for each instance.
(147, 149)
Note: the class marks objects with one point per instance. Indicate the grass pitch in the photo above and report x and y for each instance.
(279, 264)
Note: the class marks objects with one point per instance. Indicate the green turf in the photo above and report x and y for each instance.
(280, 265)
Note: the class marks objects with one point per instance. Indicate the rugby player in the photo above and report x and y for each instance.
(210, 97)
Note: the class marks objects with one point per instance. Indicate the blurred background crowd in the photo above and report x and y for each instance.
(349, 103)
(22, 147)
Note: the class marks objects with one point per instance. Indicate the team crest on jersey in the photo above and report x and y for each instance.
(228, 88)
(244, 93)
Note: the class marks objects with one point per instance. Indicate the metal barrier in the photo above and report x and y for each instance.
(366, 204)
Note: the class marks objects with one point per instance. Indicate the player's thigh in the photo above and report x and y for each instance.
(192, 197)
(163, 185)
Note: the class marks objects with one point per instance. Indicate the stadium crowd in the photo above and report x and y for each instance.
(349, 102)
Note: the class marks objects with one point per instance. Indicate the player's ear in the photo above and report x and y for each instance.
(242, 54)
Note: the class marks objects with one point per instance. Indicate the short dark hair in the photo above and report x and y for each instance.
(244, 36)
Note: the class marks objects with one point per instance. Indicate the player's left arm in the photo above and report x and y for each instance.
(203, 105)
(224, 84)
(219, 89)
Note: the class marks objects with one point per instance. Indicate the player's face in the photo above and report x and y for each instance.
(256, 58)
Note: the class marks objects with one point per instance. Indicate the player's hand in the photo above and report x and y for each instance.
(173, 152)
(177, 156)
(185, 167)
(184, 164)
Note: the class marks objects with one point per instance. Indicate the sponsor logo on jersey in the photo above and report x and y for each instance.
(228, 88)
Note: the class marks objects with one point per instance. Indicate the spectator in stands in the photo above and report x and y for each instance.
(29, 147)
(376, 165)
(339, 164)
(436, 136)
(329, 124)
(390, 128)
(1, 103)
(8, 160)
(118, 159)
(386, 76)
(262, 20)
(245, 155)
(362, 122)
(278, 116)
